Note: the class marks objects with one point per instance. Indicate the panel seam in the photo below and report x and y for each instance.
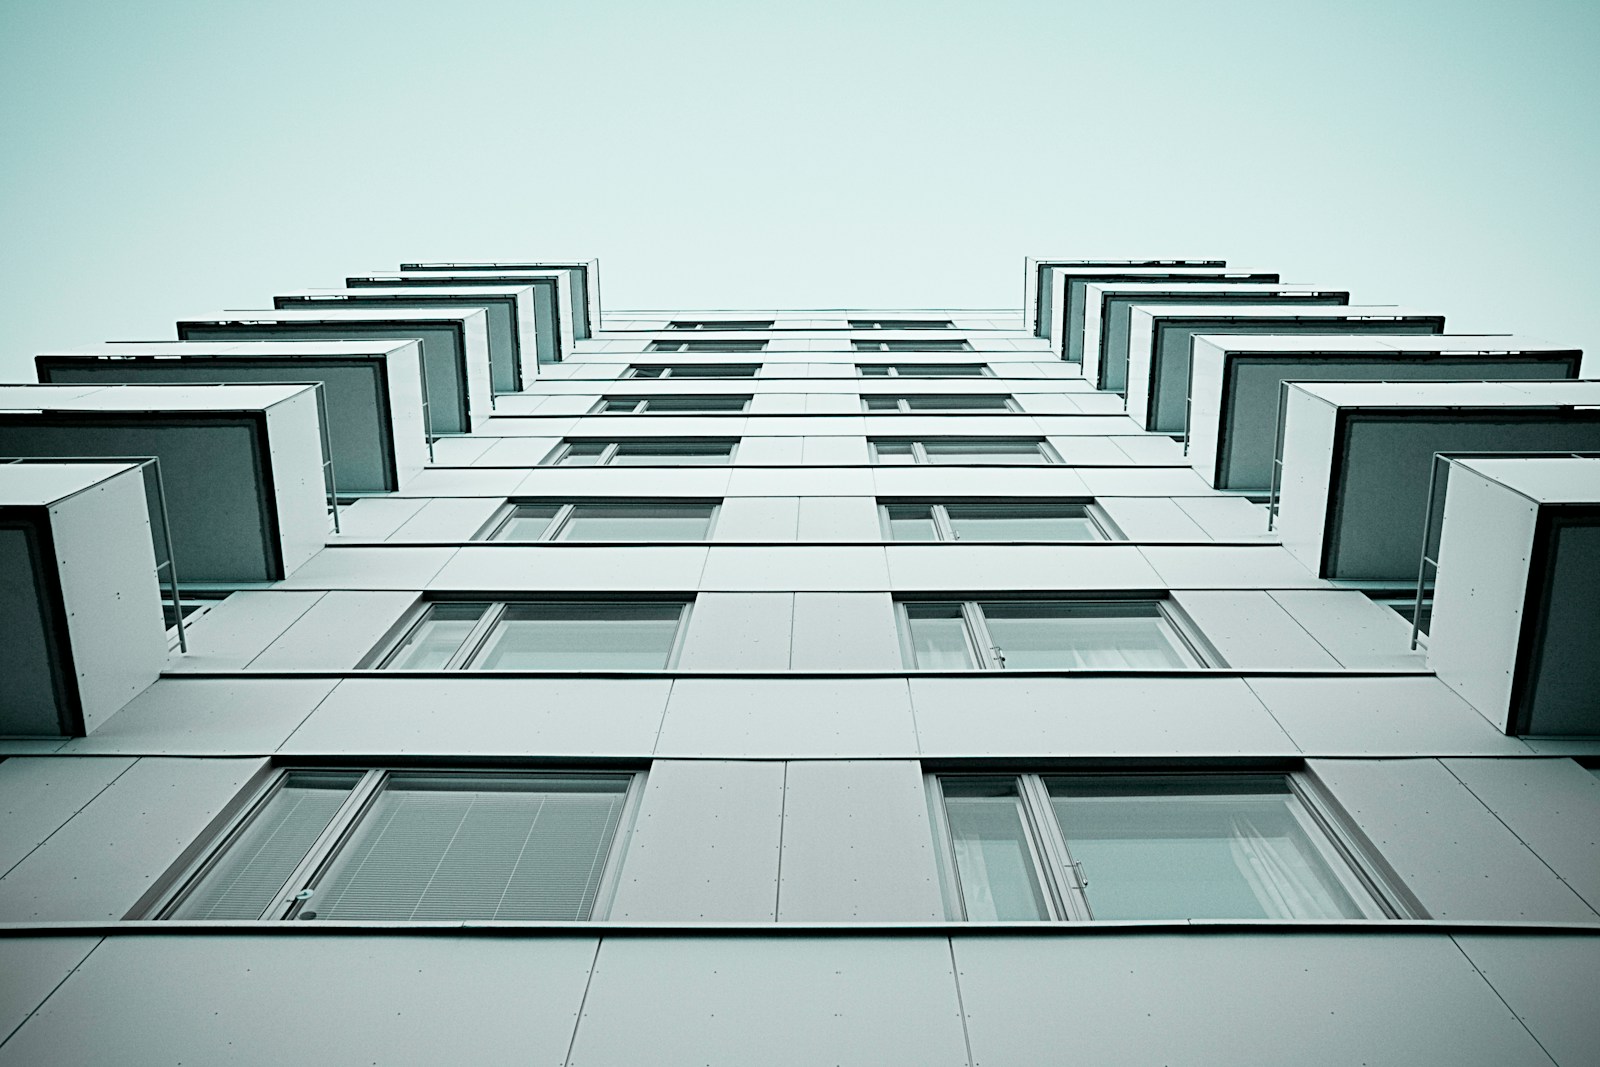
(961, 1005)
(76, 812)
(583, 1001)
(783, 816)
(1479, 971)
(46, 999)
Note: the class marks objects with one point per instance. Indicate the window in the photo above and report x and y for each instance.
(667, 520)
(962, 450)
(752, 345)
(722, 324)
(526, 635)
(699, 370)
(1065, 634)
(934, 402)
(899, 324)
(670, 405)
(922, 370)
(1056, 521)
(1405, 606)
(1153, 846)
(643, 453)
(412, 846)
(911, 346)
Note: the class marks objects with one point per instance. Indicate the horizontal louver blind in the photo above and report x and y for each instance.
(475, 848)
(249, 876)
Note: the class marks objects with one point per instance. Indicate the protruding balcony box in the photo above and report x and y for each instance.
(373, 390)
(1236, 380)
(1108, 309)
(1357, 459)
(1067, 305)
(1160, 336)
(513, 347)
(1040, 277)
(582, 291)
(1515, 627)
(455, 347)
(78, 595)
(241, 464)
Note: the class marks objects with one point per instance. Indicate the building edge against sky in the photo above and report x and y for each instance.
(436, 667)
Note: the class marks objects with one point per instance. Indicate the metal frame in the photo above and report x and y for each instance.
(930, 344)
(558, 523)
(610, 449)
(987, 655)
(1364, 875)
(300, 885)
(902, 404)
(642, 405)
(667, 370)
(680, 345)
(919, 452)
(725, 324)
(945, 529)
(900, 324)
(892, 370)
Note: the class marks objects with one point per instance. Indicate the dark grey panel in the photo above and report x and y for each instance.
(34, 652)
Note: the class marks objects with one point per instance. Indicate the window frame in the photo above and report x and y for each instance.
(565, 509)
(181, 880)
(892, 370)
(985, 652)
(477, 637)
(670, 370)
(642, 405)
(680, 345)
(939, 515)
(901, 324)
(903, 344)
(919, 451)
(1361, 870)
(903, 406)
(612, 447)
(721, 324)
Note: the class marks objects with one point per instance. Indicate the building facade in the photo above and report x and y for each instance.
(429, 670)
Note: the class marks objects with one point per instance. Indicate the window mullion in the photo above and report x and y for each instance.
(608, 453)
(941, 523)
(349, 813)
(984, 649)
(475, 637)
(1068, 883)
(918, 452)
(557, 522)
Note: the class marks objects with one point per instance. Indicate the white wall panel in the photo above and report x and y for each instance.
(1360, 634)
(833, 451)
(801, 1001)
(39, 794)
(757, 518)
(564, 568)
(1252, 632)
(803, 569)
(227, 716)
(234, 631)
(1086, 450)
(338, 631)
(1228, 518)
(974, 568)
(563, 482)
(844, 632)
(1142, 481)
(313, 1000)
(995, 715)
(519, 451)
(1151, 518)
(818, 481)
(374, 518)
(1447, 848)
(1549, 981)
(33, 967)
(799, 718)
(1317, 1000)
(936, 481)
(1150, 448)
(449, 519)
(1229, 567)
(857, 846)
(478, 715)
(98, 865)
(767, 451)
(705, 845)
(738, 631)
(1401, 715)
(838, 518)
(1552, 805)
(389, 567)
(464, 481)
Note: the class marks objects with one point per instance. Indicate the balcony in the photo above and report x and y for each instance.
(373, 390)
(1051, 285)
(1515, 630)
(1160, 337)
(242, 464)
(1236, 383)
(455, 348)
(580, 290)
(1357, 459)
(78, 595)
(513, 344)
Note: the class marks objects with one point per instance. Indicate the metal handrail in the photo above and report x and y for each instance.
(170, 564)
(1437, 487)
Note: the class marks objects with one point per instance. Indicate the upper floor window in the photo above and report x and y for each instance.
(751, 345)
(670, 405)
(962, 450)
(643, 453)
(411, 845)
(721, 324)
(870, 345)
(674, 520)
(1153, 846)
(694, 370)
(1066, 634)
(900, 324)
(922, 370)
(936, 402)
(527, 635)
(973, 521)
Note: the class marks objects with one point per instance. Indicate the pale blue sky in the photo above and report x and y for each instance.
(167, 159)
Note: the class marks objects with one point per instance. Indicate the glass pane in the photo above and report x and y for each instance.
(645, 453)
(958, 403)
(1175, 848)
(1064, 635)
(939, 637)
(621, 404)
(431, 643)
(893, 452)
(670, 404)
(868, 346)
(873, 370)
(994, 862)
(881, 403)
(941, 370)
(1022, 522)
(637, 522)
(648, 372)
(249, 877)
(528, 522)
(911, 522)
(984, 450)
(448, 847)
(724, 346)
(716, 370)
(577, 636)
(664, 346)
(926, 346)
(583, 453)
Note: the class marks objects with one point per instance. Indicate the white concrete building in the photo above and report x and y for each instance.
(802, 687)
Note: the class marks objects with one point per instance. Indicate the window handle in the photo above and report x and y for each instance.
(999, 656)
(1077, 870)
